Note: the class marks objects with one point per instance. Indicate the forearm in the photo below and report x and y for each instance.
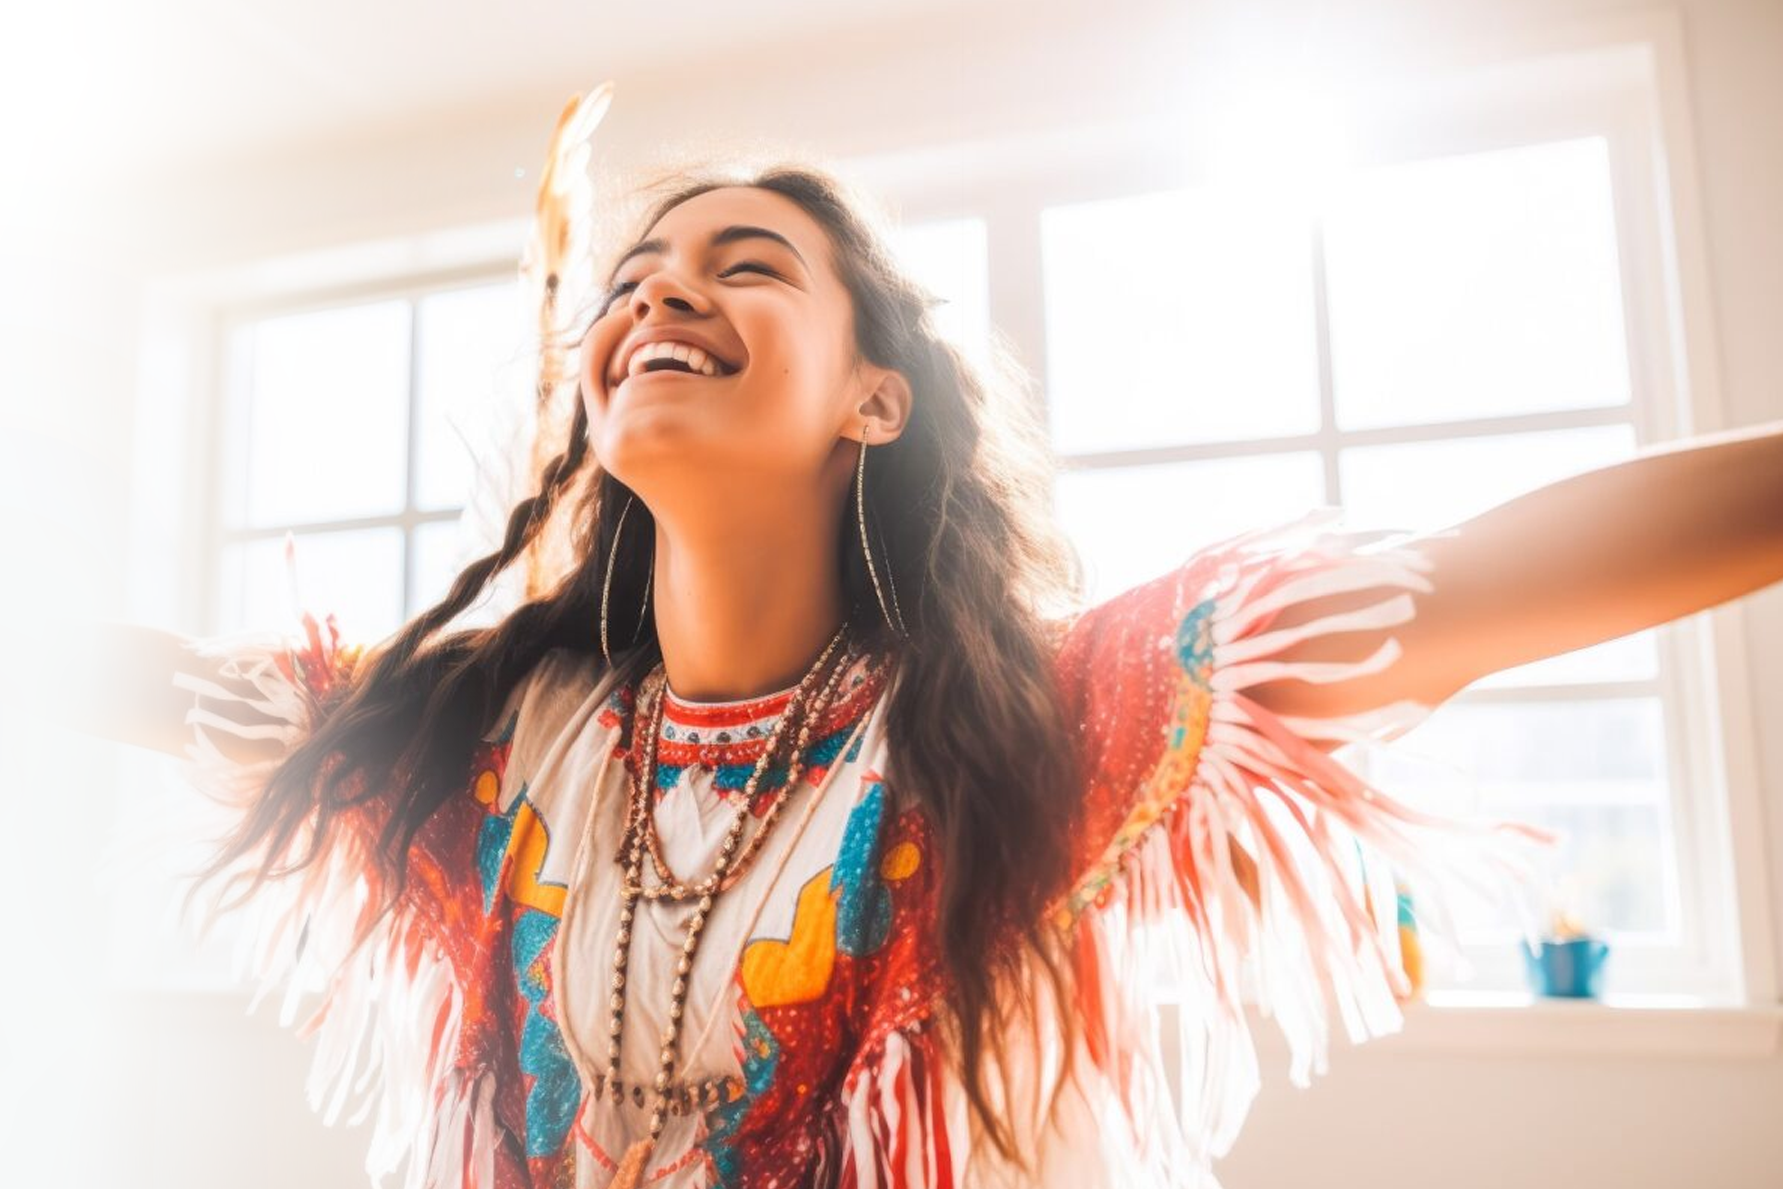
(114, 681)
(1676, 530)
(1734, 487)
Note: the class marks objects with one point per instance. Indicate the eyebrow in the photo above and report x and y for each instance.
(728, 235)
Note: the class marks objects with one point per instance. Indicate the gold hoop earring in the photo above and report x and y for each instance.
(607, 583)
(860, 508)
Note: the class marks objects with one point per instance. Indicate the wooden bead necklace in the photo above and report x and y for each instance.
(726, 874)
(640, 837)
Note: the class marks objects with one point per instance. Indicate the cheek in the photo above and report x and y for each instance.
(591, 362)
(799, 370)
(788, 400)
(584, 366)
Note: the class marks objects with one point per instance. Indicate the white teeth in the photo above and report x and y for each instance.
(694, 357)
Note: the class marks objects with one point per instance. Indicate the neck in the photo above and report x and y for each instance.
(744, 611)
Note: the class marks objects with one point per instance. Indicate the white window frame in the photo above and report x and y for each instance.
(1623, 80)
(178, 479)
(233, 399)
(177, 525)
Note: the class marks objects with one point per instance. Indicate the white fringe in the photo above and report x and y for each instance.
(387, 1028)
(1178, 924)
(897, 1122)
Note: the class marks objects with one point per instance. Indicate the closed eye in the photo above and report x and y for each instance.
(623, 287)
(749, 266)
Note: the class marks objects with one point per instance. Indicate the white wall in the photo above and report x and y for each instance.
(186, 1091)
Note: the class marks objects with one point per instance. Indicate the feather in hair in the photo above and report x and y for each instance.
(562, 231)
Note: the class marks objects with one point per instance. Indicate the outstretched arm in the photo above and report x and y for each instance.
(1676, 530)
(116, 681)
(110, 680)
(118, 684)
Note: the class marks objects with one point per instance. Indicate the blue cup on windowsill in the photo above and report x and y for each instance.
(1569, 969)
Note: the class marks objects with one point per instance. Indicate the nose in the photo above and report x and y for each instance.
(662, 288)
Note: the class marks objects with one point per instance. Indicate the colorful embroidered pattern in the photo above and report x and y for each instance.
(502, 935)
(727, 738)
(1182, 736)
(856, 966)
(1216, 836)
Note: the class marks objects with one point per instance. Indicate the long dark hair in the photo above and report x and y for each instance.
(975, 730)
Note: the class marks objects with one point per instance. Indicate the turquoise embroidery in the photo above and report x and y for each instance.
(1194, 642)
(555, 1092)
(492, 848)
(761, 1061)
(864, 912)
(732, 777)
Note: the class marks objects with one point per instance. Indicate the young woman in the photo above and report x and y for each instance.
(806, 832)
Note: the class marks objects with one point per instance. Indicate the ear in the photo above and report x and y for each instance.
(885, 408)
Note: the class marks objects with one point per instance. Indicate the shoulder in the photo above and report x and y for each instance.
(566, 702)
(552, 689)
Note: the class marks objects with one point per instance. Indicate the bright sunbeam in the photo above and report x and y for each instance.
(1282, 135)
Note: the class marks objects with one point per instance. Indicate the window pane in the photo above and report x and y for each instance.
(1603, 750)
(1614, 869)
(437, 561)
(1432, 485)
(1178, 317)
(1594, 771)
(355, 576)
(1436, 484)
(949, 258)
(473, 356)
(326, 409)
(1634, 657)
(1476, 286)
(1131, 524)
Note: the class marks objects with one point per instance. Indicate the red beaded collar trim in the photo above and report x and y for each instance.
(718, 734)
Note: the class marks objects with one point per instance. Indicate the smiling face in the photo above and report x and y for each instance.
(726, 350)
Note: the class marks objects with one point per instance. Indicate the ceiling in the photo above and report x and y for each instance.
(108, 87)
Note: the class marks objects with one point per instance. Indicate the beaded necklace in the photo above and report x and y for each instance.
(640, 838)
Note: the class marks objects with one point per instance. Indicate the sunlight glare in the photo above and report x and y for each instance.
(1282, 135)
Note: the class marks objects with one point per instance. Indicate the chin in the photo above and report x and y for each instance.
(641, 444)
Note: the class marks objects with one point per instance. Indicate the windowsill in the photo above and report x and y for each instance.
(1515, 1025)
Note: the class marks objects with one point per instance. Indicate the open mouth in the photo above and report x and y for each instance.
(675, 358)
(677, 365)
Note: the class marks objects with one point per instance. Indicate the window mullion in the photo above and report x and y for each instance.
(1321, 303)
(1017, 298)
(411, 480)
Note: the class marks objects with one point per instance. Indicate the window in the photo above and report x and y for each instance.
(947, 256)
(1429, 338)
(355, 429)
(1482, 302)
(358, 425)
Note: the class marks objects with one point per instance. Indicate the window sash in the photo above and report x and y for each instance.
(235, 401)
(1704, 962)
